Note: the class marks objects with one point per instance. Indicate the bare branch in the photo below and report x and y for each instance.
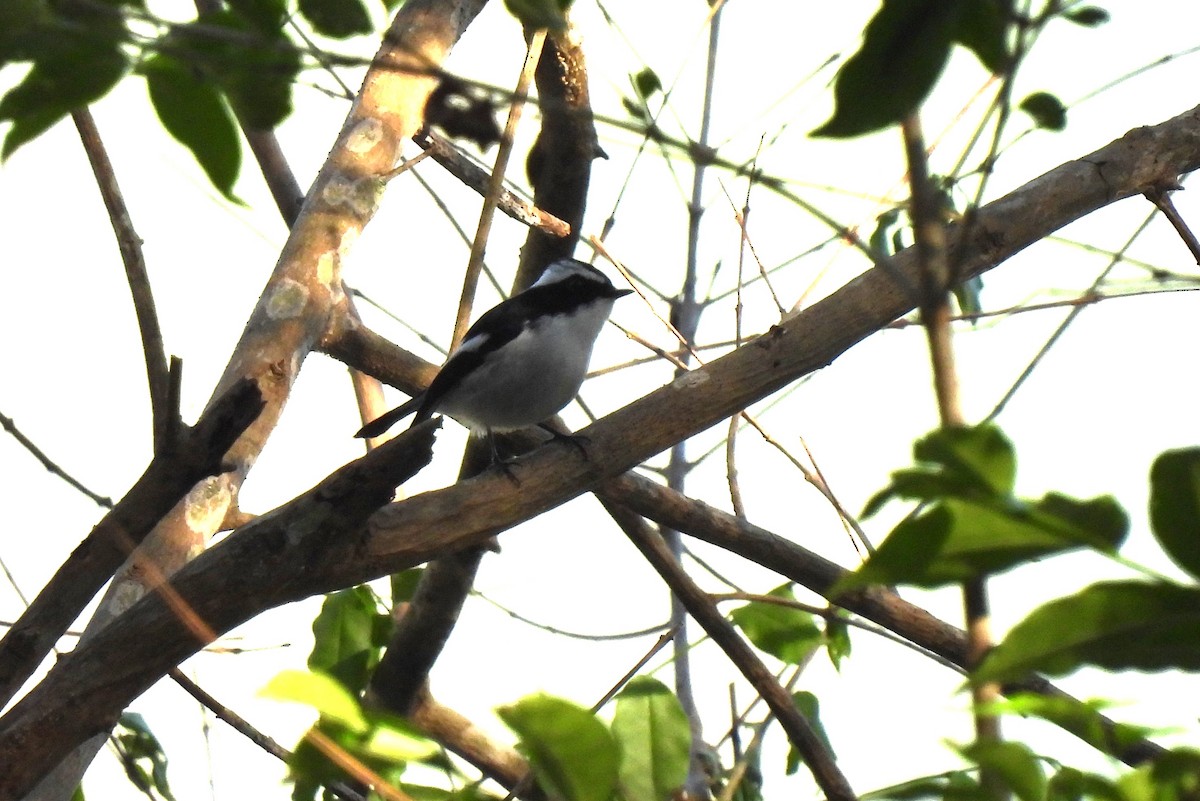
(25, 442)
(277, 563)
(800, 732)
(130, 245)
(173, 472)
(293, 542)
(464, 169)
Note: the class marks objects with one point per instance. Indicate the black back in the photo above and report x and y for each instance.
(506, 320)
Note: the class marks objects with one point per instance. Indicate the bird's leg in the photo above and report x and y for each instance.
(504, 463)
(576, 440)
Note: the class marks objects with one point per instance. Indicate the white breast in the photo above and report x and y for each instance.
(533, 376)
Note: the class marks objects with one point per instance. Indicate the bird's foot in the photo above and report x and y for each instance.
(577, 441)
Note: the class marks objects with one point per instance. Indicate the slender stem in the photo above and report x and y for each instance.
(130, 246)
(495, 184)
(935, 311)
(685, 315)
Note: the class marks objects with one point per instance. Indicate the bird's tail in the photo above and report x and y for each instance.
(388, 419)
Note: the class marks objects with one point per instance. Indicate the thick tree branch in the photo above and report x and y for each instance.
(295, 307)
(174, 471)
(800, 733)
(446, 582)
(248, 574)
(559, 165)
(291, 543)
(810, 570)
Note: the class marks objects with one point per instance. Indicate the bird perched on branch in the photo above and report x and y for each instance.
(522, 361)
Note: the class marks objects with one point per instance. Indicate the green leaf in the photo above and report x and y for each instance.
(572, 753)
(655, 741)
(647, 83)
(953, 541)
(1084, 719)
(1087, 16)
(73, 74)
(404, 585)
(322, 693)
(982, 30)
(810, 708)
(1175, 506)
(1114, 625)
(980, 456)
(1014, 763)
(194, 112)
(142, 755)
(971, 463)
(957, 784)
(837, 639)
(23, 25)
(348, 635)
(536, 14)
(1100, 522)
(267, 15)
(1070, 784)
(392, 740)
(1047, 111)
(339, 19)
(905, 47)
(790, 635)
(1176, 773)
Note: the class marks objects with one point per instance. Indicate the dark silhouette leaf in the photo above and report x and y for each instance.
(339, 19)
(1088, 16)
(78, 71)
(1175, 506)
(904, 49)
(194, 112)
(1047, 111)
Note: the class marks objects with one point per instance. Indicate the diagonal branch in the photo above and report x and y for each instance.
(799, 731)
(293, 542)
(248, 574)
(175, 469)
(130, 245)
(297, 302)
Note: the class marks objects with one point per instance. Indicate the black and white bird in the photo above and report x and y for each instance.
(523, 360)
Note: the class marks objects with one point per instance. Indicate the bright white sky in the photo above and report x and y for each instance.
(1116, 391)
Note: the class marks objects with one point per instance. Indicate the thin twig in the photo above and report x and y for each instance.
(659, 644)
(1070, 318)
(937, 279)
(8, 425)
(574, 635)
(479, 244)
(130, 246)
(466, 170)
(1159, 197)
(799, 731)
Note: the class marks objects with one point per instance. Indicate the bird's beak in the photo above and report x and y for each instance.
(620, 293)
